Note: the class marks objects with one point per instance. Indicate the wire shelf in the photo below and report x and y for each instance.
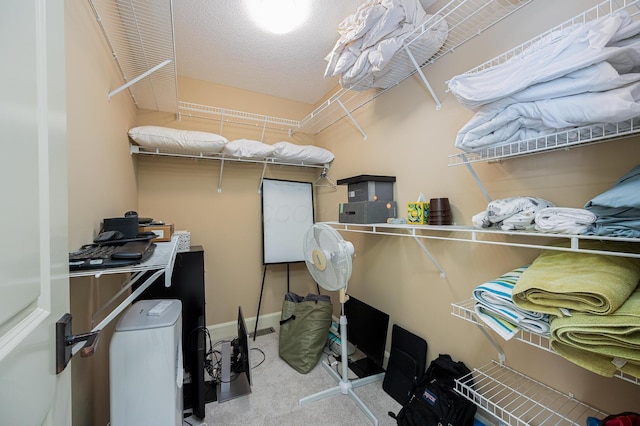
(509, 396)
(523, 239)
(141, 38)
(465, 310)
(580, 136)
(224, 115)
(566, 138)
(141, 150)
(601, 10)
(465, 18)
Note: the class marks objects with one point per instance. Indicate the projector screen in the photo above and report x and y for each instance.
(287, 214)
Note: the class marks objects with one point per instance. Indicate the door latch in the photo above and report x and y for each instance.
(65, 341)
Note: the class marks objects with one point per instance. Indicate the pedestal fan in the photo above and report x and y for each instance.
(328, 258)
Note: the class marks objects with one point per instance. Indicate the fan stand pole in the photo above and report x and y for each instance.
(345, 386)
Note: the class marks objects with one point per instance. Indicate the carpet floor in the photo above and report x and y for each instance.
(277, 388)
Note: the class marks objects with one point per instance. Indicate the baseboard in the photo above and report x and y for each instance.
(229, 329)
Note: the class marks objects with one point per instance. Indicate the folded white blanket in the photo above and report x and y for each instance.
(564, 220)
(555, 56)
(514, 213)
(493, 126)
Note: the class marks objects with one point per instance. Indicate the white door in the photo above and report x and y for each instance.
(34, 289)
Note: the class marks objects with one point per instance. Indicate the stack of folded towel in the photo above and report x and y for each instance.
(495, 307)
(594, 303)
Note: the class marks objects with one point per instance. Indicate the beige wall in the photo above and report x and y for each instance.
(407, 138)
(227, 223)
(102, 183)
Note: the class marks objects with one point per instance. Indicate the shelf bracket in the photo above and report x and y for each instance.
(264, 128)
(501, 356)
(264, 169)
(222, 111)
(138, 78)
(126, 302)
(353, 120)
(424, 79)
(427, 252)
(220, 177)
(476, 178)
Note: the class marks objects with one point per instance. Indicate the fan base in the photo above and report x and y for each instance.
(345, 388)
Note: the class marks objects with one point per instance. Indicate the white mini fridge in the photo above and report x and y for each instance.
(146, 371)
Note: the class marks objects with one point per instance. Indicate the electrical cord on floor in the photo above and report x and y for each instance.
(264, 357)
(336, 365)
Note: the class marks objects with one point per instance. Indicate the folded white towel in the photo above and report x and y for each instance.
(564, 220)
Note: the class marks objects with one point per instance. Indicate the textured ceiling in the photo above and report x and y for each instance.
(217, 41)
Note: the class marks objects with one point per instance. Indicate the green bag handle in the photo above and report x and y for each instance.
(292, 317)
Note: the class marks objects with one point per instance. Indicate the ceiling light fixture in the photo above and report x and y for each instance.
(278, 16)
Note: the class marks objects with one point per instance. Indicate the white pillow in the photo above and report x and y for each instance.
(166, 137)
(303, 153)
(247, 148)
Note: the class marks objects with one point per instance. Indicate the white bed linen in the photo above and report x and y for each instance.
(564, 220)
(492, 127)
(370, 38)
(585, 44)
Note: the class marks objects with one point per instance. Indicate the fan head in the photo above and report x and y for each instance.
(328, 257)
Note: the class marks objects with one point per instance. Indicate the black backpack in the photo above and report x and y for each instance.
(435, 402)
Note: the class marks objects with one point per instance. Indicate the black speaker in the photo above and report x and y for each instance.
(407, 362)
(128, 225)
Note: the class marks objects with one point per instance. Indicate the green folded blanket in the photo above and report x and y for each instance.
(601, 343)
(583, 282)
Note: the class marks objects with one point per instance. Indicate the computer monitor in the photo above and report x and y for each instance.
(367, 330)
(243, 361)
(235, 358)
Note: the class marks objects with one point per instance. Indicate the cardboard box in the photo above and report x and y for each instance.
(418, 213)
(163, 232)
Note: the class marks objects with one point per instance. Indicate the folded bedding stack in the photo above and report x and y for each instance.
(564, 220)
(594, 304)
(510, 214)
(602, 344)
(371, 36)
(558, 83)
(495, 307)
(618, 209)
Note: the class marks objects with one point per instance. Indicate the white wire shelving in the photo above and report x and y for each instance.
(565, 138)
(465, 19)
(233, 117)
(223, 158)
(465, 310)
(518, 400)
(523, 239)
(140, 36)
